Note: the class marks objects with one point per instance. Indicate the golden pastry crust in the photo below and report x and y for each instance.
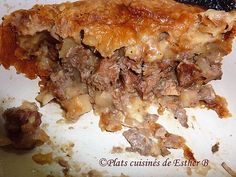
(137, 25)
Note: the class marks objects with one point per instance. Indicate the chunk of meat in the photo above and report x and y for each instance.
(188, 74)
(160, 133)
(210, 71)
(169, 87)
(207, 94)
(215, 148)
(121, 100)
(189, 98)
(106, 74)
(134, 65)
(220, 106)
(117, 150)
(174, 105)
(151, 117)
(59, 81)
(130, 79)
(82, 59)
(164, 151)
(22, 125)
(151, 76)
(152, 139)
(181, 116)
(138, 141)
(173, 141)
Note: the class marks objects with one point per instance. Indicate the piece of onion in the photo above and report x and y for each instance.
(103, 99)
(189, 98)
(44, 97)
(77, 106)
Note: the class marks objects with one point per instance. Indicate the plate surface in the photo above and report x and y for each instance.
(91, 145)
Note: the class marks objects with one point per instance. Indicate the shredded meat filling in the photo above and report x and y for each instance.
(188, 74)
(81, 70)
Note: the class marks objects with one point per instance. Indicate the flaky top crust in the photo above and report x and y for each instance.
(108, 25)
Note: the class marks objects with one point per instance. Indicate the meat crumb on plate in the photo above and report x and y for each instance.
(215, 148)
(22, 126)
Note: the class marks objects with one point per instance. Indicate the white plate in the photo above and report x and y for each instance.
(91, 144)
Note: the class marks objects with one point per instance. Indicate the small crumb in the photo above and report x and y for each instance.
(8, 100)
(66, 173)
(45, 125)
(51, 144)
(215, 148)
(34, 172)
(123, 175)
(42, 159)
(194, 118)
(117, 149)
(68, 148)
(63, 163)
(8, 7)
(70, 128)
(203, 170)
(189, 171)
(77, 167)
(61, 121)
(93, 173)
(192, 126)
(41, 137)
(160, 110)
